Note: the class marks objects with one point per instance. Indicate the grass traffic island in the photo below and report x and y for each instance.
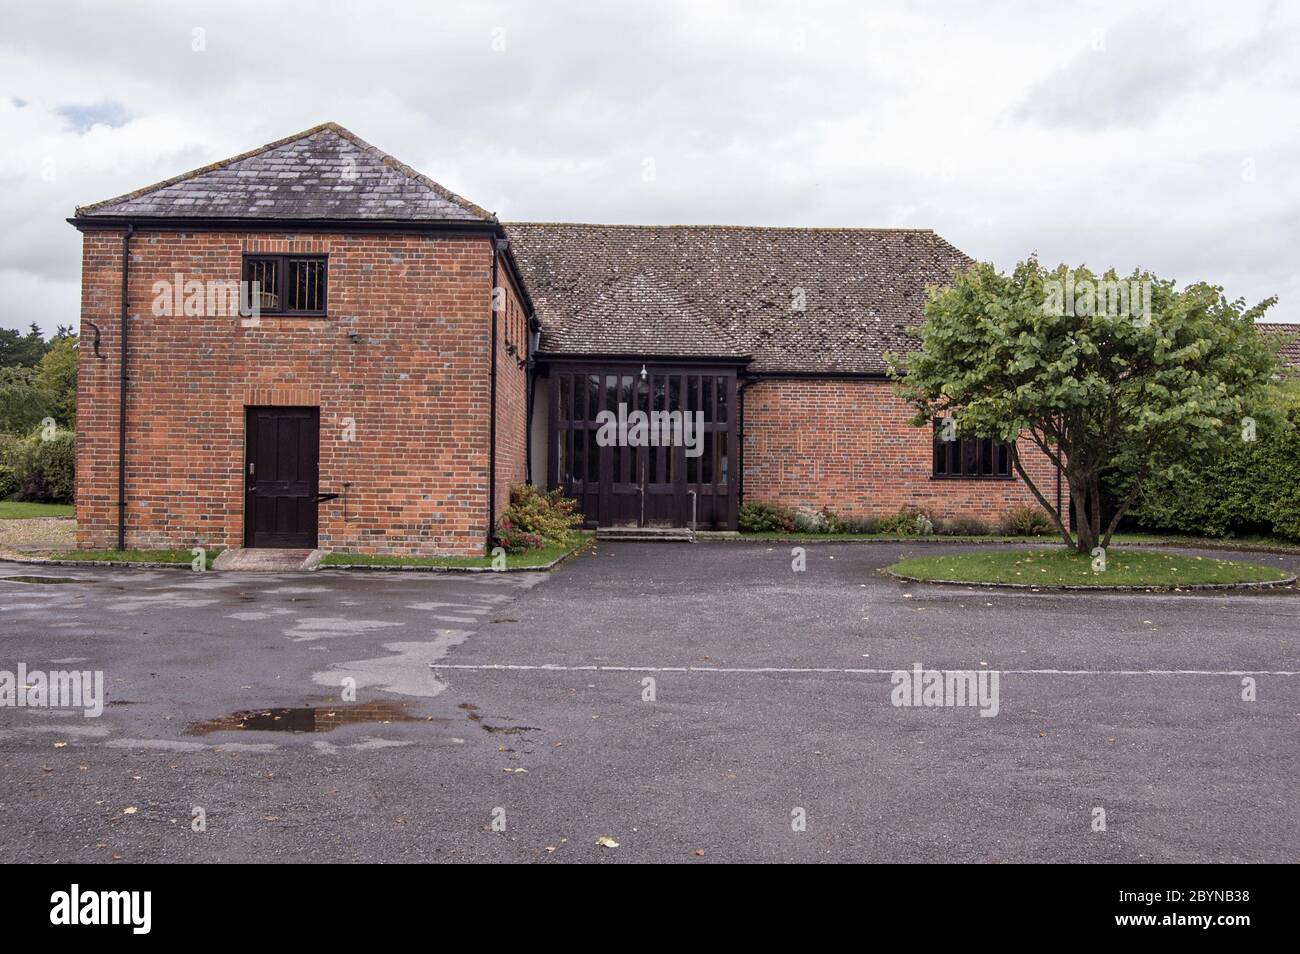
(1062, 568)
(529, 559)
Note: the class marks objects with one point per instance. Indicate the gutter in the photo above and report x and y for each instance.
(121, 393)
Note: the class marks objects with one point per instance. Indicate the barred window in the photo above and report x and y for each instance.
(970, 457)
(289, 284)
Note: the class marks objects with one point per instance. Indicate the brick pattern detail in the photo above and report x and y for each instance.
(415, 383)
(846, 444)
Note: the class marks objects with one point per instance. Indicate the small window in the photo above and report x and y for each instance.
(970, 457)
(289, 284)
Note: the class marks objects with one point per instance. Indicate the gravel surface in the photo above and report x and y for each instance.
(37, 535)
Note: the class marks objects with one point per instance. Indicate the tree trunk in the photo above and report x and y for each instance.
(1083, 493)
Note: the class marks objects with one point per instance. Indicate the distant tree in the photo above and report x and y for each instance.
(1101, 374)
(56, 374)
(18, 350)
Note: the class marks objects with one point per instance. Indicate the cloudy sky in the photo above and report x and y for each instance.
(1160, 135)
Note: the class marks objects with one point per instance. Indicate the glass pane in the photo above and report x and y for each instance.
(986, 457)
(611, 392)
(674, 393)
(1004, 460)
(593, 396)
(692, 393)
(724, 460)
(625, 393)
(722, 400)
(579, 399)
(969, 453)
(566, 395)
(940, 457)
(706, 461)
(563, 451)
(706, 400)
(593, 457)
(306, 284)
(579, 455)
(265, 274)
(643, 394)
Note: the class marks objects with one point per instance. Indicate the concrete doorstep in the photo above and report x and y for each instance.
(267, 560)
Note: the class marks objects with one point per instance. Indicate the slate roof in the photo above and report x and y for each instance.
(1289, 333)
(324, 173)
(646, 289)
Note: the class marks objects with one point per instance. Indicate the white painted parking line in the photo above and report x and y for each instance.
(797, 670)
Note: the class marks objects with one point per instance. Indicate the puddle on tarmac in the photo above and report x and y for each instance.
(39, 579)
(306, 718)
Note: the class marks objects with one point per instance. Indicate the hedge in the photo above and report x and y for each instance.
(1252, 487)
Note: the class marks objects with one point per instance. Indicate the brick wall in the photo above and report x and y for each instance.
(512, 394)
(846, 444)
(416, 385)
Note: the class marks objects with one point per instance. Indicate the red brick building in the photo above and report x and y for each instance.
(400, 358)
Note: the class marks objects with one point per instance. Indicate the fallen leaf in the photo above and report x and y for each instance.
(698, 852)
(606, 842)
(130, 811)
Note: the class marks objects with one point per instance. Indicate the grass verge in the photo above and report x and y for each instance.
(539, 557)
(1061, 567)
(22, 510)
(133, 556)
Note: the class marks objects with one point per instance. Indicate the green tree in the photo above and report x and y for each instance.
(1100, 374)
(23, 402)
(57, 375)
(18, 350)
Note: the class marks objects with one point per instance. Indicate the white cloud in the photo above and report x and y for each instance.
(1109, 133)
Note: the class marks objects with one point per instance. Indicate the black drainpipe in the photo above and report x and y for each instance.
(492, 408)
(121, 395)
(530, 385)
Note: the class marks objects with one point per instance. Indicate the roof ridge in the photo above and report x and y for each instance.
(735, 228)
(395, 163)
(210, 167)
(340, 131)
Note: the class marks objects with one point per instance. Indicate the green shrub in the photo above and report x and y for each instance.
(1251, 487)
(44, 470)
(514, 540)
(1025, 520)
(818, 521)
(909, 522)
(758, 517)
(860, 525)
(549, 516)
(962, 527)
(8, 481)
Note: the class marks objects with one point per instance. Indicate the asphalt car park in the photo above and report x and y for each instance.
(703, 702)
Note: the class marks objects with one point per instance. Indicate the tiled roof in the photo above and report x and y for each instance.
(613, 288)
(639, 314)
(323, 173)
(1290, 338)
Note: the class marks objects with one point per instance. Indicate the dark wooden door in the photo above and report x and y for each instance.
(281, 476)
(655, 486)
